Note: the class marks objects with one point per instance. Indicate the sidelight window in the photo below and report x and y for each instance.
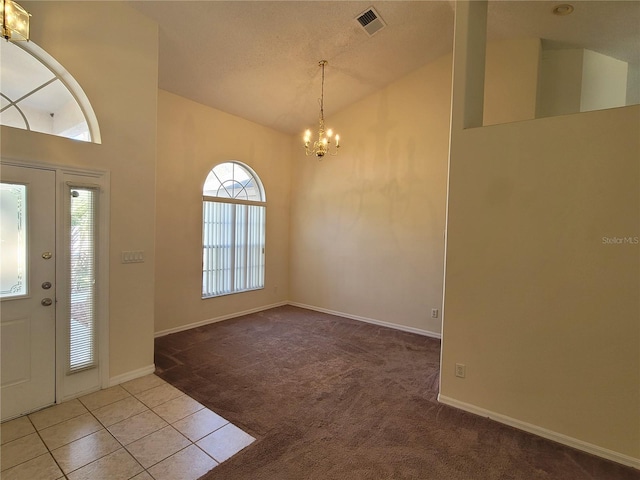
(82, 278)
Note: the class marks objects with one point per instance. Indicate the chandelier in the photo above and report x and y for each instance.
(15, 21)
(322, 146)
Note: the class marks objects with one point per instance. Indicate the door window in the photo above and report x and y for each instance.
(13, 240)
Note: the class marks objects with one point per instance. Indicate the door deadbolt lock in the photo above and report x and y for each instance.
(47, 255)
(46, 285)
(46, 302)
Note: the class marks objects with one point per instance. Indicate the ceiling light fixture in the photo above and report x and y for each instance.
(564, 9)
(15, 21)
(322, 146)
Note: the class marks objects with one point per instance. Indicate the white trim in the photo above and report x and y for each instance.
(132, 375)
(543, 432)
(69, 169)
(396, 326)
(189, 326)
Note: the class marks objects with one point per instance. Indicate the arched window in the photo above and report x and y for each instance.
(233, 230)
(39, 94)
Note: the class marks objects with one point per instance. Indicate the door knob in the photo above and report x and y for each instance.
(47, 255)
(46, 302)
(46, 285)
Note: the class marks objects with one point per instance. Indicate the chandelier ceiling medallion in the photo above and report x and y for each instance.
(322, 146)
(15, 21)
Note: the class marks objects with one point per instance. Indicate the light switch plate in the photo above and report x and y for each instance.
(135, 256)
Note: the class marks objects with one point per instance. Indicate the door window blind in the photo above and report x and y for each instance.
(82, 279)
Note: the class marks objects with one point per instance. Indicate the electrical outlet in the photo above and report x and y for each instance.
(461, 370)
(434, 313)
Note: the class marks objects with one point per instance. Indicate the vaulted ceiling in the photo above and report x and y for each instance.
(259, 59)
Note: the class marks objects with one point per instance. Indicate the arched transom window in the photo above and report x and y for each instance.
(38, 94)
(233, 230)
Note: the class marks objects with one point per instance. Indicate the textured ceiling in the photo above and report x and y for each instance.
(259, 59)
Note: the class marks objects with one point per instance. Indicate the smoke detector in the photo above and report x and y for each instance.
(370, 21)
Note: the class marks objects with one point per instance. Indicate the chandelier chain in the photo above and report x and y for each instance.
(322, 146)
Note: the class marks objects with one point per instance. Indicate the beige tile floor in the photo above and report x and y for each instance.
(144, 429)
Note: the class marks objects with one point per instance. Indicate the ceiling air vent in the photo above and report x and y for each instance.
(371, 21)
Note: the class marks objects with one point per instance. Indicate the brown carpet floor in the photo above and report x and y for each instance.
(335, 399)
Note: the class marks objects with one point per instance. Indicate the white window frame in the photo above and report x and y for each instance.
(88, 340)
(248, 251)
(73, 87)
(73, 384)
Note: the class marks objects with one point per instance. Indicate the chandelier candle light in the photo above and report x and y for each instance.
(321, 147)
(15, 21)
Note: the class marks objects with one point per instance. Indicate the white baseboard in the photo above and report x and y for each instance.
(189, 326)
(132, 375)
(395, 326)
(543, 432)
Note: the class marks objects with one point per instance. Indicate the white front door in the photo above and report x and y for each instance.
(27, 289)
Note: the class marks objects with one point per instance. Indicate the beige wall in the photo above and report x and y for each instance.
(192, 139)
(560, 82)
(604, 82)
(580, 80)
(541, 310)
(367, 226)
(111, 51)
(543, 314)
(511, 81)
